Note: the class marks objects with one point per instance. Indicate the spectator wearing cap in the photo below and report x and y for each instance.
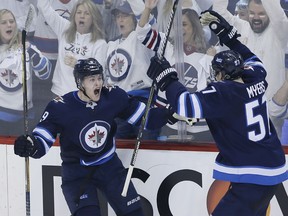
(127, 63)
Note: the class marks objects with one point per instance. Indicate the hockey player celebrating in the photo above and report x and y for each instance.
(85, 121)
(250, 154)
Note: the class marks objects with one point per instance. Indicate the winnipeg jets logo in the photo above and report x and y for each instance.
(9, 81)
(93, 137)
(119, 62)
(96, 136)
(117, 66)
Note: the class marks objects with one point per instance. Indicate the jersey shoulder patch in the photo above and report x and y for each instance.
(59, 99)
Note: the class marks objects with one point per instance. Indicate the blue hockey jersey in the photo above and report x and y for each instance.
(237, 115)
(86, 129)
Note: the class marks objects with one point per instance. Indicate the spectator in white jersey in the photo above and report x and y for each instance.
(127, 64)
(80, 37)
(45, 38)
(196, 64)
(20, 10)
(265, 34)
(11, 74)
(47, 42)
(251, 156)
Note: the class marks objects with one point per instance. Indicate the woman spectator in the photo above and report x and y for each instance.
(81, 37)
(196, 62)
(11, 74)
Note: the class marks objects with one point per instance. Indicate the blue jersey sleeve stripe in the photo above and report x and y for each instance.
(44, 134)
(189, 100)
(138, 114)
(196, 106)
(181, 109)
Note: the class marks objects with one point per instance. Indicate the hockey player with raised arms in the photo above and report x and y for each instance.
(250, 154)
(85, 121)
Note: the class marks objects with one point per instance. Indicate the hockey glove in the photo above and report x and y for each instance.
(161, 72)
(25, 145)
(158, 117)
(226, 33)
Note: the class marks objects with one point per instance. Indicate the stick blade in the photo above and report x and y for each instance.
(127, 181)
(30, 16)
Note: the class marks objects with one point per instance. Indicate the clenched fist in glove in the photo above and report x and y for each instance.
(161, 72)
(25, 146)
(225, 32)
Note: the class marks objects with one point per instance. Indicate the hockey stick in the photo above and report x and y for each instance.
(160, 54)
(30, 15)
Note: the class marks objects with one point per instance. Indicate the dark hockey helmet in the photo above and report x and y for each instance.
(229, 63)
(86, 67)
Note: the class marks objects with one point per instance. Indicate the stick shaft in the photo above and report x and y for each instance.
(29, 18)
(26, 127)
(148, 105)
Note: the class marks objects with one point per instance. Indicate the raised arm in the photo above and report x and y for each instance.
(226, 33)
(55, 21)
(149, 6)
(278, 106)
(278, 19)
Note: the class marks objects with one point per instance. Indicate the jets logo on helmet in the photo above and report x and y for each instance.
(229, 63)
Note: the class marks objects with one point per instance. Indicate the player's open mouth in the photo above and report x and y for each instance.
(81, 23)
(96, 91)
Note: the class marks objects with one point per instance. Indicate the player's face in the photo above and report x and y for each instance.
(7, 27)
(258, 17)
(93, 86)
(83, 19)
(187, 30)
(125, 23)
(218, 77)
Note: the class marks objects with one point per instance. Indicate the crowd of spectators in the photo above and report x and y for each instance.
(64, 31)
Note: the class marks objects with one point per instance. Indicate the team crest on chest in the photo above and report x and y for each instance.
(119, 63)
(93, 137)
(9, 81)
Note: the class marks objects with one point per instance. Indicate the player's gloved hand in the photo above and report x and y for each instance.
(25, 145)
(158, 117)
(171, 119)
(225, 32)
(161, 72)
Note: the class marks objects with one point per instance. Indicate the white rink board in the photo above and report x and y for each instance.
(186, 198)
